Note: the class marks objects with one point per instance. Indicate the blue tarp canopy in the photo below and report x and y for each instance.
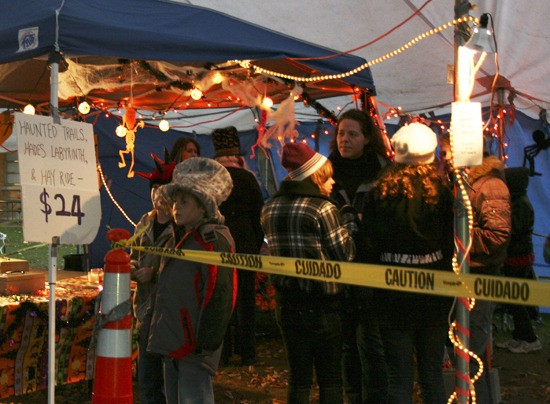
(99, 33)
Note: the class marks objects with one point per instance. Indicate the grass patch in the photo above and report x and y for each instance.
(36, 253)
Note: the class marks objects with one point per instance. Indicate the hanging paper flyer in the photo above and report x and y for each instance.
(467, 132)
(59, 192)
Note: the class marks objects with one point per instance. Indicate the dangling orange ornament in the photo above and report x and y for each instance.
(129, 122)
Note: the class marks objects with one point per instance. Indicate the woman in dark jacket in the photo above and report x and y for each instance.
(520, 259)
(357, 155)
(242, 215)
(409, 222)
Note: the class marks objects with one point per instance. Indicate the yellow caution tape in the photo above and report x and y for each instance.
(485, 287)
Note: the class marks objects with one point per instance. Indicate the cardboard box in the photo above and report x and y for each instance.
(18, 283)
(13, 264)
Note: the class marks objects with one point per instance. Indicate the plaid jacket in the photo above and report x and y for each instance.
(300, 222)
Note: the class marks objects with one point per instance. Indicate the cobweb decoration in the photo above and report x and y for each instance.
(243, 90)
(81, 79)
(284, 126)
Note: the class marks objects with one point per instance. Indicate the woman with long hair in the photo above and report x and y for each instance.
(409, 222)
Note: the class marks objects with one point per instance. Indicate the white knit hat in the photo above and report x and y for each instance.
(206, 179)
(414, 144)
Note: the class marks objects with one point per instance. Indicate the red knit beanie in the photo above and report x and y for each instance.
(300, 161)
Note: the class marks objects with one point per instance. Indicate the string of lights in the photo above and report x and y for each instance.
(455, 328)
(247, 64)
(100, 171)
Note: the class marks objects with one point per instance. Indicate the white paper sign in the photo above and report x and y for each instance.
(57, 166)
(467, 132)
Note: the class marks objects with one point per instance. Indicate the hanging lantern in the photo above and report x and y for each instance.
(84, 108)
(29, 109)
(164, 125)
(121, 131)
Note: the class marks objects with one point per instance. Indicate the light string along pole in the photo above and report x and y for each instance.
(462, 241)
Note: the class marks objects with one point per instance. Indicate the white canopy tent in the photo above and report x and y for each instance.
(416, 79)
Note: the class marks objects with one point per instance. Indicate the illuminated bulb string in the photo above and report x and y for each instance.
(456, 268)
(100, 171)
(247, 64)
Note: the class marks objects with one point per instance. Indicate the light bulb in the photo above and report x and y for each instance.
(267, 102)
(29, 109)
(217, 78)
(164, 125)
(84, 108)
(121, 131)
(196, 94)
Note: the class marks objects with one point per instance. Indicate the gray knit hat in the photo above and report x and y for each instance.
(204, 178)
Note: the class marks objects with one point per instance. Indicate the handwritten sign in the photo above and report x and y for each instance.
(467, 132)
(57, 166)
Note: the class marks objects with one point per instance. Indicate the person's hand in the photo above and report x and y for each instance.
(349, 218)
(348, 214)
(144, 274)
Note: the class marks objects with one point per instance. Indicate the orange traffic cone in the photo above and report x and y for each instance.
(113, 362)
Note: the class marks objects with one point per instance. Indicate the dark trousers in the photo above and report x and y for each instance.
(402, 345)
(150, 370)
(363, 364)
(240, 337)
(523, 329)
(313, 340)
(481, 323)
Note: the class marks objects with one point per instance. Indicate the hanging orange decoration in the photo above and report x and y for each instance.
(129, 122)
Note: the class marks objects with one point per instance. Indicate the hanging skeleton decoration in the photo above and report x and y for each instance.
(130, 125)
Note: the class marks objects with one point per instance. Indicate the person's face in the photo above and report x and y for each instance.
(445, 151)
(190, 150)
(350, 139)
(157, 201)
(154, 199)
(187, 211)
(326, 189)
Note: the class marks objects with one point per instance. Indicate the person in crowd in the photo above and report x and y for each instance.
(357, 155)
(408, 222)
(520, 259)
(492, 225)
(194, 301)
(153, 229)
(242, 215)
(184, 148)
(301, 221)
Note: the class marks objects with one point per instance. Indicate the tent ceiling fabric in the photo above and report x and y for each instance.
(416, 79)
(129, 38)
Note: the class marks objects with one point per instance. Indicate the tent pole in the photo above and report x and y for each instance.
(52, 270)
(52, 279)
(462, 232)
(54, 59)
